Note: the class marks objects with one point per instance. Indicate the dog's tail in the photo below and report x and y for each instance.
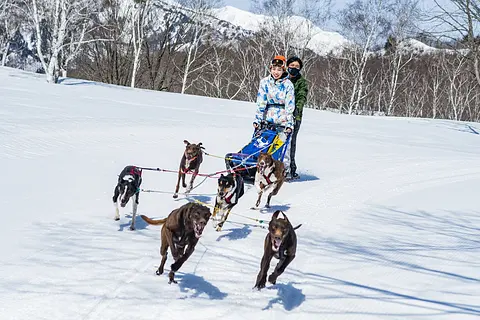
(297, 227)
(151, 221)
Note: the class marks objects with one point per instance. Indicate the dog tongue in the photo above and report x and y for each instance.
(276, 244)
(198, 232)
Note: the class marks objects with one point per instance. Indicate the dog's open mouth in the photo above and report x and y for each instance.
(262, 168)
(276, 242)
(198, 229)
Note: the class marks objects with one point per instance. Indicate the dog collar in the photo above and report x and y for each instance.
(190, 159)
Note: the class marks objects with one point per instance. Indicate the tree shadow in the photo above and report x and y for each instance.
(288, 296)
(199, 286)
(392, 296)
(236, 234)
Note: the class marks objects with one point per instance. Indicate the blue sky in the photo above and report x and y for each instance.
(241, 4)
(245, 4)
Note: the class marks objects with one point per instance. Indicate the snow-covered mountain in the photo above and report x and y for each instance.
(320, 41)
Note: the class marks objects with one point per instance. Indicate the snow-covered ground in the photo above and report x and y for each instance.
(389, 206)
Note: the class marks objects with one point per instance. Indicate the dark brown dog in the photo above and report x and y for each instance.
(191, 160)
(281, 243)
(269, 177)
(181, 231)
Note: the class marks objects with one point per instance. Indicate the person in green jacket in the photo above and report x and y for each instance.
(300, 84)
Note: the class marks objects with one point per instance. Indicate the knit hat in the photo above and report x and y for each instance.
(297, 59)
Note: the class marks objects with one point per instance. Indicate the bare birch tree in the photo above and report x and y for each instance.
(193, 36)
(403, 15)
(291, 24)
(140, 10)
(5, 29)
(464, 22)
(61, 18)
(365, 22)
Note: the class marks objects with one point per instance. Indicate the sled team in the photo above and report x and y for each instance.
(280, 101)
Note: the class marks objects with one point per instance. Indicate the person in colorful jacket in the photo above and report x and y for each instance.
(276, 102)
(295, 65)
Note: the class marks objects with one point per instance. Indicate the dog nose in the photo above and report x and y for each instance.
(262, 163)
(221, 193)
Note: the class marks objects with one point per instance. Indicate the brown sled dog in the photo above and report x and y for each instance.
(181, 231)
(281, 243)
(191, 160)
(269, 177)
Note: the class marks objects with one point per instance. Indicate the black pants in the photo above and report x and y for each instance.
(293, 147)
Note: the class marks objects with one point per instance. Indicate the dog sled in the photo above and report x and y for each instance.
(265, 139)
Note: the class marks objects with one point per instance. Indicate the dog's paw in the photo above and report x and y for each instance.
(159, 272)
(259, 286)
(272, 279)
(219, 228)
(132, 228)
(175, 196)
(117, 218)
(267, 206)
(171, 279)
(184, 185)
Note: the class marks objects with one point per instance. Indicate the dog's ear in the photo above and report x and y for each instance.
(279, 215)
(275, 214)
(186, 142)
(200, 145)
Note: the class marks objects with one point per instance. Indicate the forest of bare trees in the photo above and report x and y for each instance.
(175, 47)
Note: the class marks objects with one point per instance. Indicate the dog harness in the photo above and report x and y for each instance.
(136, 171)
(267, 178)
(188, 162)
(228, 199)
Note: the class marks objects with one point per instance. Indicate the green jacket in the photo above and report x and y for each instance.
(301, 92)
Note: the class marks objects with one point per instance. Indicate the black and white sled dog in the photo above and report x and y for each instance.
(128, 186)
(230, 189)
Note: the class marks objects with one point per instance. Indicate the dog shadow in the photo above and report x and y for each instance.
(304, 177)
(140, 224)
(199, 198)
(190, 283)
(236, 234)
(275, 207)
(204, 199)
(288, 296)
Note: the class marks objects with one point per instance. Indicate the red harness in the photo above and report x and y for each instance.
(187, 169)
(136, 171)
(228, 199)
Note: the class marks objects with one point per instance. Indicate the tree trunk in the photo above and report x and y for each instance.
(5, 53)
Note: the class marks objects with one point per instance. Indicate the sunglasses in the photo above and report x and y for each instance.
(278, 63)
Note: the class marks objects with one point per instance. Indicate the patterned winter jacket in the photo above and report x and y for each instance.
(279, 95)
